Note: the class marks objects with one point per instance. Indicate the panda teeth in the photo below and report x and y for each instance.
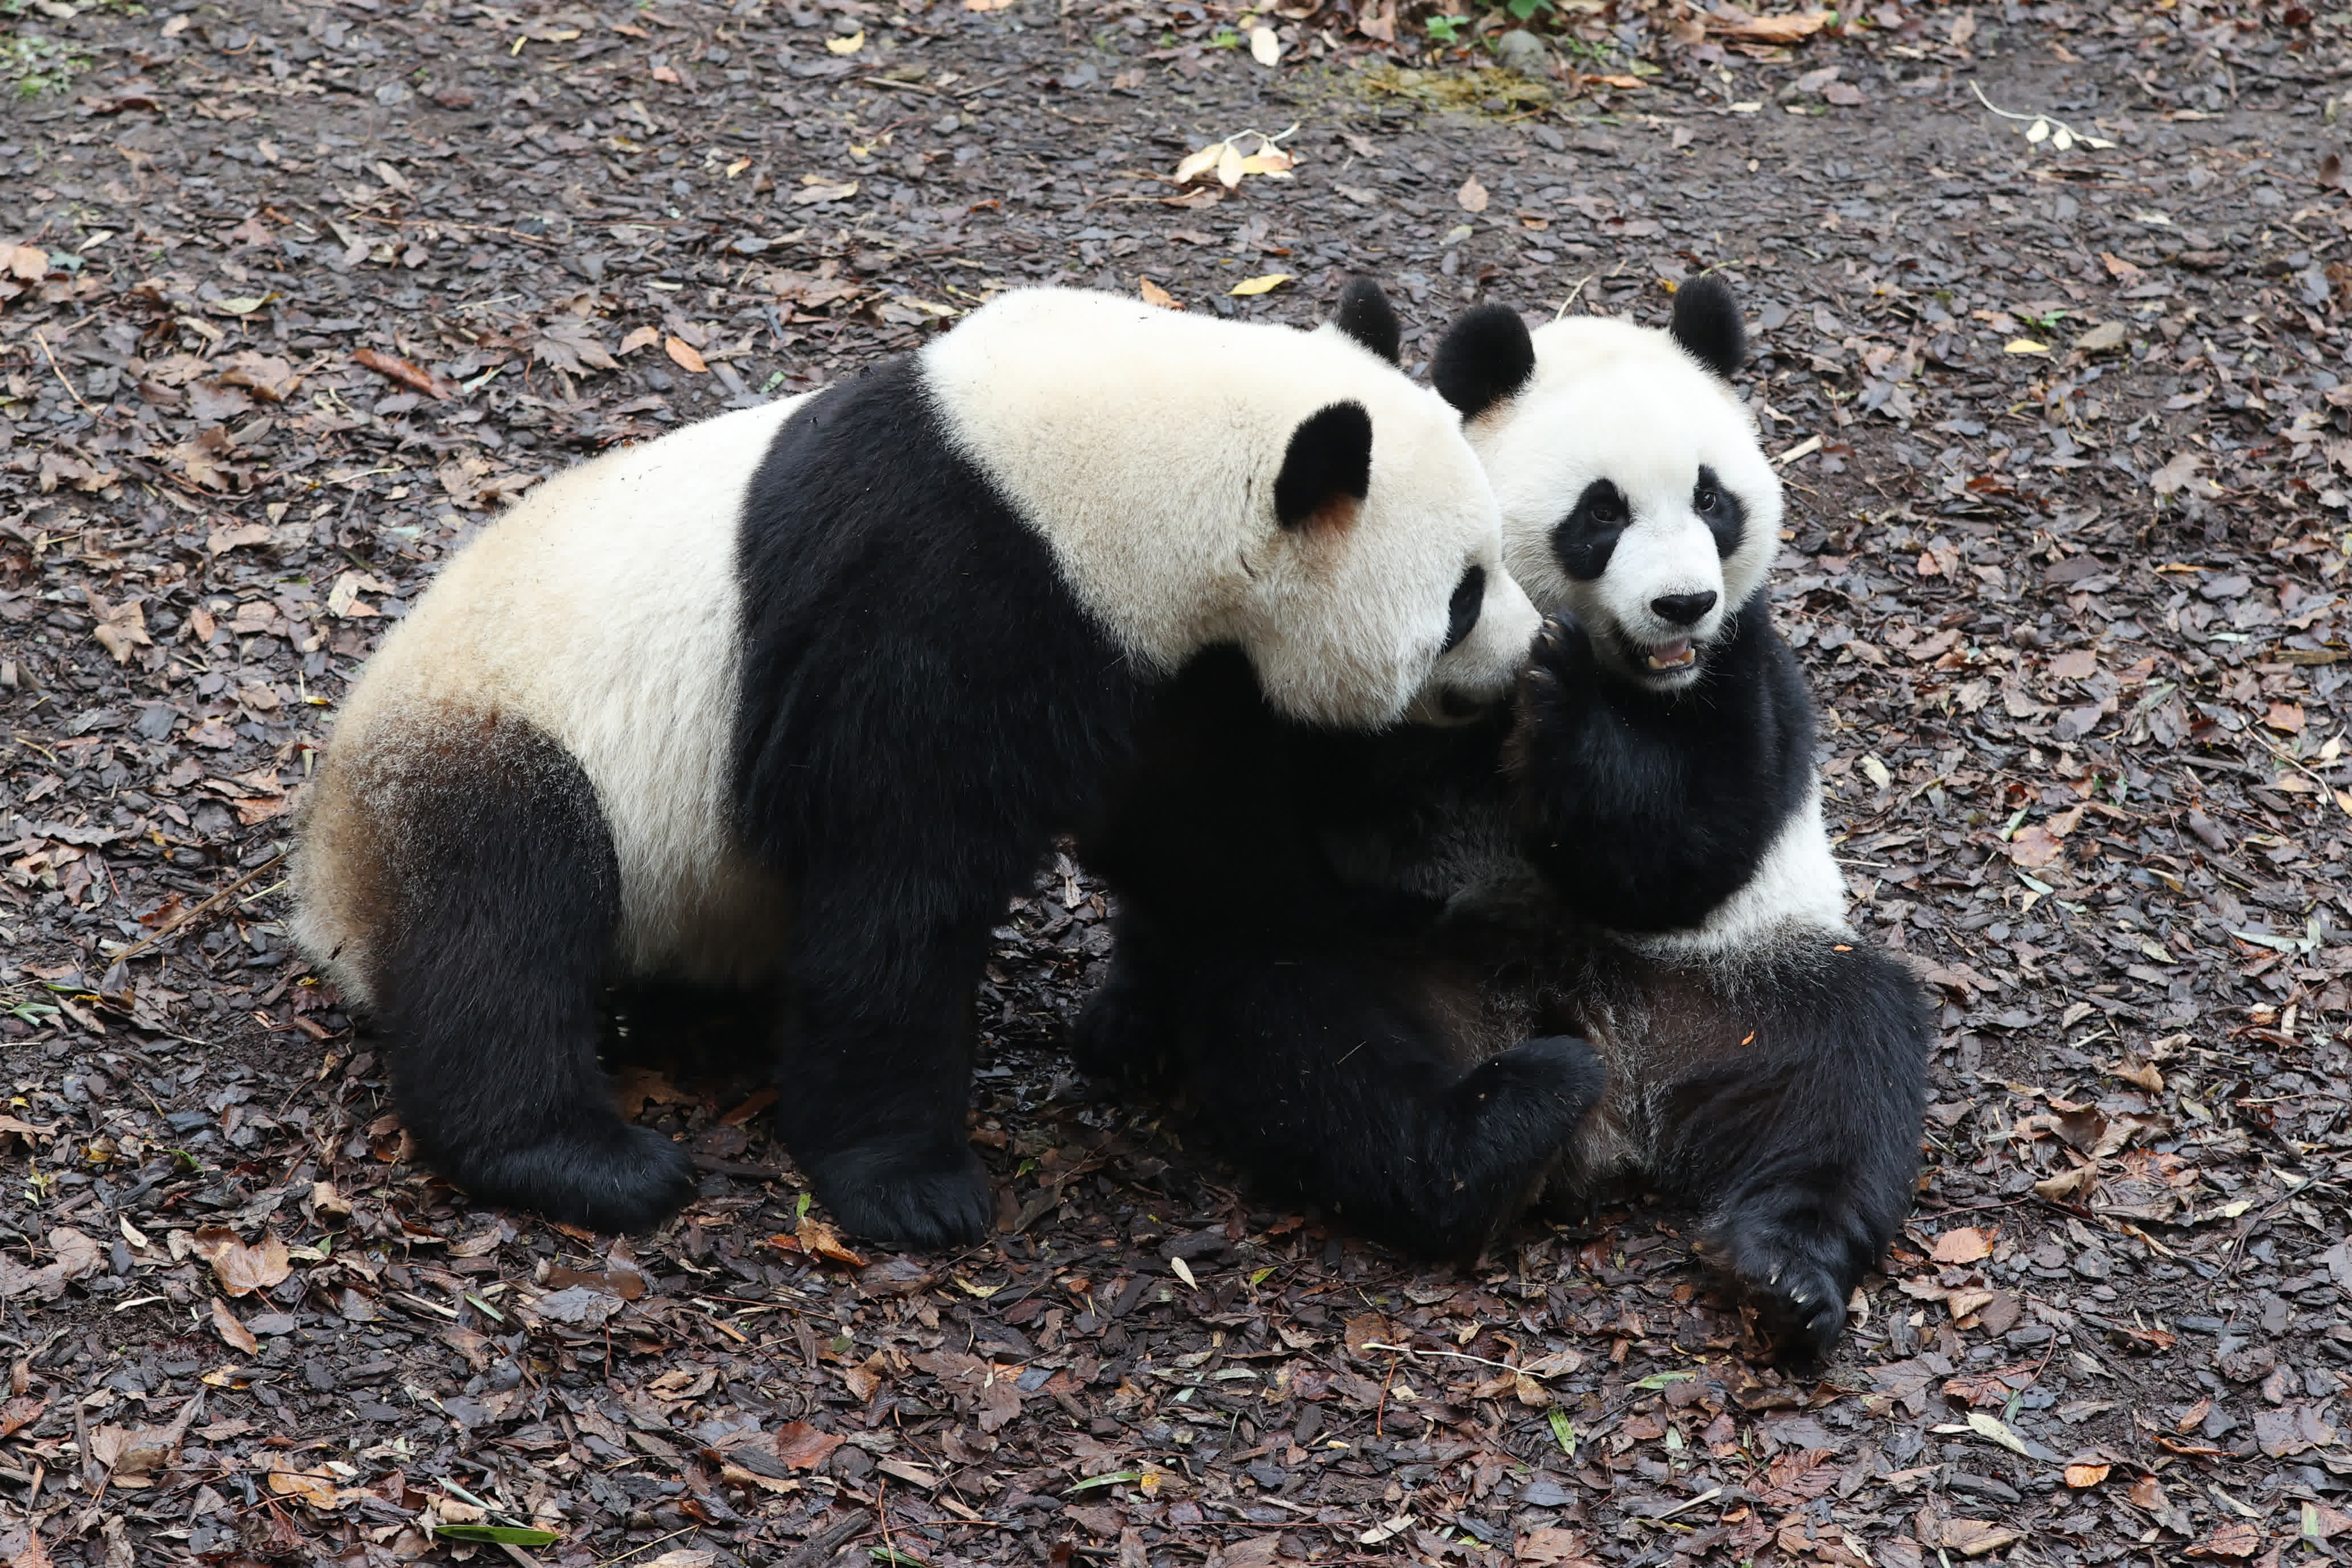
(1672, 655)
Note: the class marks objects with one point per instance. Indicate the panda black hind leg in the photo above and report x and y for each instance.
(489, 969)
(1799, 1139)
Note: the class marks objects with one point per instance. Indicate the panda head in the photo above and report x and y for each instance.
(1203, 482)
(1634, 495)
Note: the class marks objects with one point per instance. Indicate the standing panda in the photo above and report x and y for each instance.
(1616, 898)
(791, 699)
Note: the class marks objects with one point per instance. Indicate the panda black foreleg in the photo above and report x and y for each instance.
(487, 993)
(1801, 1147)
(874, 1065)
(1324, 1079)
(1645, 811)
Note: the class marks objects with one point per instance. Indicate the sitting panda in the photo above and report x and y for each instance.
(789, 700)
(1389, 995)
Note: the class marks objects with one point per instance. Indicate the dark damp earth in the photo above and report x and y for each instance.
(292, 299)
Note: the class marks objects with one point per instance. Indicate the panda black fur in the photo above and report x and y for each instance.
(789, 700)
(1633, 859)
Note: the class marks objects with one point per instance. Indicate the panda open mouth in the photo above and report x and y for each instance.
(1674, 655)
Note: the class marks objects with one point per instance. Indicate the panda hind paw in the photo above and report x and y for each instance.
(925, 1202)
(1799, 1278)
(617, 1180)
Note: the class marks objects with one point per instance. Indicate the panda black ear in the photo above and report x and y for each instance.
(1707, 324)
(1365, 314)
(1487, 356)
(1327, 470)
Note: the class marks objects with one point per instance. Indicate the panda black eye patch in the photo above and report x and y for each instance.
(1462, 610)
(1587, 537)
(1720, 510)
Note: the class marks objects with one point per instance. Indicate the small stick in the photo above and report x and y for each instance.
(181, 920)
(62, 381)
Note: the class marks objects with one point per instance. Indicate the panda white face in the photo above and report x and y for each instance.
(1203, 482)
(1634, 496)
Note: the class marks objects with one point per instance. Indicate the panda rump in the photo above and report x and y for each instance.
(790, 699)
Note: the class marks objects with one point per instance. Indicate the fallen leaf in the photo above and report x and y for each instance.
(1155, 295)
(686, 356)
(2034, 847)
(849, 46)
(1964, 1244)
(1265, 284)
(2103, 339)
(813, 1237)
(1730, 22)
(987, 4)
(815, 189)
(804, 1447)
(1196, 164)
(26, 262)
(1974, 1537)
(2238, 1538)
(1264, 48)
(2082, 1476)
(233, 1335)
(1471, 197)
(2286, 717)
(242, 1270)
(2024, 345)
(1229, 166)
(416, 378)
(267, 374)
(642, 338)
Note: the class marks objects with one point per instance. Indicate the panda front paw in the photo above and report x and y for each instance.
(925, 1200)
(1555, 687)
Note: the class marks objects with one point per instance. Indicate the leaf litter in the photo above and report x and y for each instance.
(2077, 617)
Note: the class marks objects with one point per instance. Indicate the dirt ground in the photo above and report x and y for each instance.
(293, 295)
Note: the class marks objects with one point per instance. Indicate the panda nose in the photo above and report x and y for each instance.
(1683, 609)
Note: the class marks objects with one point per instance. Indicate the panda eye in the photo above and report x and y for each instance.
(1607, 506)
(1462, 612)
(1707, 497)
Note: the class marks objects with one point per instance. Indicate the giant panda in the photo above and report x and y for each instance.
(1596, 937)
(789, 700)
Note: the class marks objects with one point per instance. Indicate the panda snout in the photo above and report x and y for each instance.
(1683, 609)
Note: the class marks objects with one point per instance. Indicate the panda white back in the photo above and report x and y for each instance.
(600, 610)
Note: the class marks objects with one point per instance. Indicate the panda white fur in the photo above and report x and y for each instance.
(791, 700)
(1617, 899)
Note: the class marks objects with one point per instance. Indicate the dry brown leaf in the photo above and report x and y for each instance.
(1155, 295)
(685, 355)
(641, 337)
(804, 1447)
(1471, 197)
(2034, 846)
(2082, 1476)
(26, 262)
(242, 1270)
(1366, 1330)
(416, 378)
(1964, 1244)
(815, 1238)
(234, 1333)
(1730, 22)
(1974, 1537)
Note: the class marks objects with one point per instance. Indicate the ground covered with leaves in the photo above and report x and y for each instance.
(2050, 311)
